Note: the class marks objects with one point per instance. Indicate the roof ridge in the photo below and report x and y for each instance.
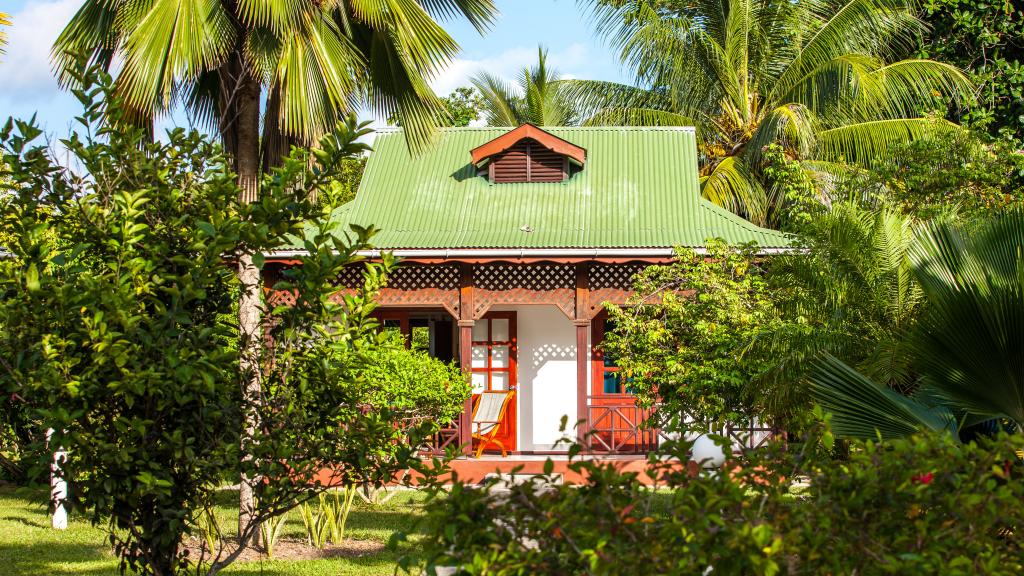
(397, 129)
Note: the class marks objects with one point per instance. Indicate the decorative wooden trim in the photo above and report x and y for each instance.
(582, 399)
(515, 284)
(546, 139)
(610, 283)
(466, 298)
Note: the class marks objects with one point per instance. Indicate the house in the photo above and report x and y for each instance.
(510, 241)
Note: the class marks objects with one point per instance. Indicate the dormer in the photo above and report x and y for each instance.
(528, 154)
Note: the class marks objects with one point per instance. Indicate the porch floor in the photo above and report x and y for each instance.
(474, 470)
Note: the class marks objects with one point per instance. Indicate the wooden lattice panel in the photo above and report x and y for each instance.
(524, 284)
(411, 278)
(611, 283)
(415, 285)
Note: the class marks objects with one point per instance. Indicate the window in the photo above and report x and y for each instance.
(423, 330)
(608, 377)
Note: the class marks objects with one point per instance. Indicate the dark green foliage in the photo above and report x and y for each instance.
(346, 181)
(940, 177)
(113, 319)
(796, 200)
(987, 40)
(688, 338)
(851, 293)
(967, 345)
(918, 506)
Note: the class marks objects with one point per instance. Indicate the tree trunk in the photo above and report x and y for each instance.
(240, 94)
(58, 486)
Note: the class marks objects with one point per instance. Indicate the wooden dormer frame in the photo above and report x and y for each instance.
(571, 151)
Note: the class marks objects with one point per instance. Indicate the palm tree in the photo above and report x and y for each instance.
(823, 78)
(853, 285)
(310, 62)
(5, 20)
(536, 98)
(968, 345)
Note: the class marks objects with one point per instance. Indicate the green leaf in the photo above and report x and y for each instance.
(32, 278)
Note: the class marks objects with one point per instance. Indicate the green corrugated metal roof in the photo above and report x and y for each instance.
(639, 188)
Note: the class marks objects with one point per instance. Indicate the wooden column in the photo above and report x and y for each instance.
(582, 323)
(467, 309)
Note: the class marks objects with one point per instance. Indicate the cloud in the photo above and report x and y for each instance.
(571, 62)
(26, 71)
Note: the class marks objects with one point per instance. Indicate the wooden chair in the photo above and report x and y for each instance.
(488, 414)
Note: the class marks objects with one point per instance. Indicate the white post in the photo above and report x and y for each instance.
(58, 487)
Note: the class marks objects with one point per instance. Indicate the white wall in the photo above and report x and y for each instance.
(547, 375)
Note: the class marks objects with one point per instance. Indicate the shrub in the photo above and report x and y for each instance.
(411, 380)
(685, 339)
(116, 330)
(924, 505)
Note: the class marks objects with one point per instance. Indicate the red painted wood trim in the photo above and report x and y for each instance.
(509, 436)
(466, 352)
(582, 323)
(583, 425)
(546, 139)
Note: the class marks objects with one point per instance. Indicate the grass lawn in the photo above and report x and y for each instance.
(28, 546)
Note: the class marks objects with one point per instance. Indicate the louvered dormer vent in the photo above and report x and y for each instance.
(528, 161)
(528, 154)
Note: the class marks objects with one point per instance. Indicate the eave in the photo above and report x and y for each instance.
(521, 255)
(546, 139)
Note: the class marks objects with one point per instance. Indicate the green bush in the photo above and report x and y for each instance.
(924, 505)
(685, 338)
(412, 381)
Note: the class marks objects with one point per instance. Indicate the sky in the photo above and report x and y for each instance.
(27, 85)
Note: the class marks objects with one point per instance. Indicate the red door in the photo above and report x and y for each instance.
(493, 365)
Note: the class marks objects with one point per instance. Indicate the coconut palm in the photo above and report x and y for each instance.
(312, 63)
(824, 78)
(968, 345)
(536, 98)
(5, 20)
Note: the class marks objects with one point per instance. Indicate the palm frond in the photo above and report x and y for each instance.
(315, 76)
(90, 33)
(168, 41)
(480, 13)
(500, 102)
(611, 103)
(421, 41)
(395, 89)
(793, 126)
(878, 28)
(903, 88)
(861, 408)
(971, 343)
(734, 187)
(865, 142)
(5, 20)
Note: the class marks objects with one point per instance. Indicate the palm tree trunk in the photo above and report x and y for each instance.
(242, 136)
